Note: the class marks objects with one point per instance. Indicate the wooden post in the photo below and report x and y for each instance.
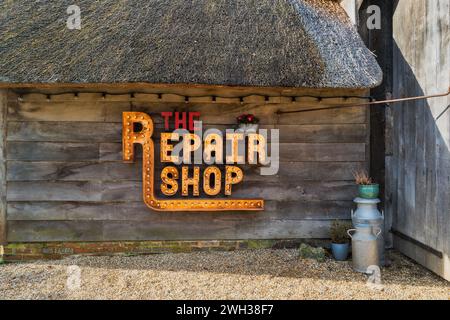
(380, 42)
(3, 111)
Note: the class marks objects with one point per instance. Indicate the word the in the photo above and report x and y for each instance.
(180, 120)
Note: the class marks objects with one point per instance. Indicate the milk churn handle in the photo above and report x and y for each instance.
(352, 213)
(378, 233)
(349, 232)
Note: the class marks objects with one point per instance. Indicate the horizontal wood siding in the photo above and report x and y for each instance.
(66, 180)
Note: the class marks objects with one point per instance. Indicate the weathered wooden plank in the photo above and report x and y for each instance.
(216, 113)
(443, 221)
(43, 97)
(322, 133)
(185, 94)
(245, 229)
(435, 77)
(52, 151)
(294, 191)
(113, 152)
(138, 211)
(117, 170)
(37, 231)
(65, 131)
(304, 171)
(72, 171)
(267, 113)
(3, 113)
(322, 151)
(86, 107)
(146, 89)
(112, 132)
(121, 191)
(323, 171)
(81, 110)
(418, 164)
(441, 10)
(390, 199)
(303, 133)
(131, 190)
(289, 152)
(75, 191)
(41, 231)
(58, 111)
(54, 191)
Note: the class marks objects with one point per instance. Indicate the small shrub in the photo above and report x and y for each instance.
(307, 252)
(338, 231)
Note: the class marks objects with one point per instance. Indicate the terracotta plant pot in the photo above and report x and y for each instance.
(370, 191)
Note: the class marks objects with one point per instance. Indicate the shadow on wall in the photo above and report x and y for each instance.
(417, 153)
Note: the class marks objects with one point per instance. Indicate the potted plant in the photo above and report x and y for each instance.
(340, 241)
(366, 188)
(247, 123)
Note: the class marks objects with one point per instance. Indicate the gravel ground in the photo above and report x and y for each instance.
(248, 274)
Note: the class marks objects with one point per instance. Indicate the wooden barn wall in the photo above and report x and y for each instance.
(3, 113)
(66, 180)
(418, 167)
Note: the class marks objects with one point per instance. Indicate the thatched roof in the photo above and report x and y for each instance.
(283, 43)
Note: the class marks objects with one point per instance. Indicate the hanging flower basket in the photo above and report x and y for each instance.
(247, 123)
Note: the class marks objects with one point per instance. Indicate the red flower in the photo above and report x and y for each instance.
(247, 118)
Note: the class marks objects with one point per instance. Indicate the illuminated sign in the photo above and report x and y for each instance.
(176, 182)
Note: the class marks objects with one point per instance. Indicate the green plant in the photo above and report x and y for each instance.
(306, 251)
(338, 231)
(362, 178)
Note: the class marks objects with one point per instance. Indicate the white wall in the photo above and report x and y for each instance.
(352, 7)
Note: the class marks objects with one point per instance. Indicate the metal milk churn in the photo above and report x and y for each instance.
(367, 213)
(364, 247)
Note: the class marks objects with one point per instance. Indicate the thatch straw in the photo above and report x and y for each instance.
(290, 43)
